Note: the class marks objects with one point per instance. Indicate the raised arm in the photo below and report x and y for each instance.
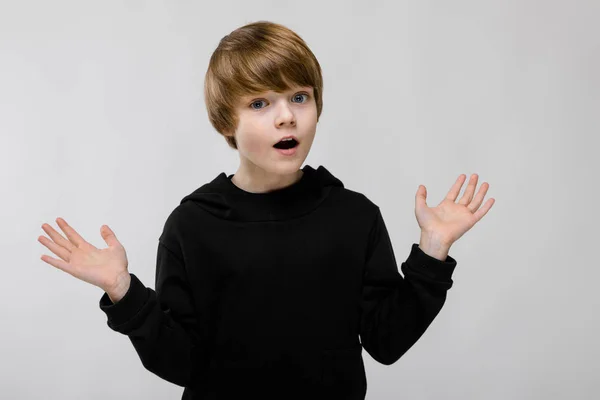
(162, 324)
(397, 310)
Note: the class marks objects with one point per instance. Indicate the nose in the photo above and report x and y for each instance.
(291, 122)
(286, 116)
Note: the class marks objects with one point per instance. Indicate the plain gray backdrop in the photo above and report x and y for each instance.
(102, 121)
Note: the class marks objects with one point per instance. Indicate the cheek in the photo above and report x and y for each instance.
(254, 146)
(254, 143)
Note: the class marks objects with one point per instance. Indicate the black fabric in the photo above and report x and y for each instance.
(275, 295)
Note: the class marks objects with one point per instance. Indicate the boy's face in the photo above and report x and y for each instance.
(265, 118)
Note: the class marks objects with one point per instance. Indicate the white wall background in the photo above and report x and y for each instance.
(102, 121)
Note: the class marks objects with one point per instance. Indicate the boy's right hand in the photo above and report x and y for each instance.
(104, 268)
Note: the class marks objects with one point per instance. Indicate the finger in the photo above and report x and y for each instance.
(57, 237)
(56, 249)
(73, 236)
(421, 197)
(109, 236)
(483, 210)
(63, 266)
(474, 205)
(455, 189)
(468, 195)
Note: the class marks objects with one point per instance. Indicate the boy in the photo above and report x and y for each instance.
(266, 278)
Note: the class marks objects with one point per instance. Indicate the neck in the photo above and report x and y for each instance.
(262, 182)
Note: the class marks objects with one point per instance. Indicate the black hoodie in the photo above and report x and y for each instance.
(264, 295)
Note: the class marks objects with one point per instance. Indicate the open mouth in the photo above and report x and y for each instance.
(286, 144)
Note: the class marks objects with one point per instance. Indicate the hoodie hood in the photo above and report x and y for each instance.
(222, 198)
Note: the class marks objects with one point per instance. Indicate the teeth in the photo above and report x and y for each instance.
(284, 140)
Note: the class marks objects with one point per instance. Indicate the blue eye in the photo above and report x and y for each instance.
(303, 94)
(260, 101)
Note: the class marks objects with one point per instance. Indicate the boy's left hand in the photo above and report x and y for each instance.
(449, 220)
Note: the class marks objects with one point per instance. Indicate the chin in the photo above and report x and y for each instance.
(288, 167)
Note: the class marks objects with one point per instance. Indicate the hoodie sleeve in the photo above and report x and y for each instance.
(397, 310)
(161, 324)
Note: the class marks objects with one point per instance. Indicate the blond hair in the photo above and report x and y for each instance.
(256, 58)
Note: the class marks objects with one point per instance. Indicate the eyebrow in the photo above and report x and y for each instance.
(295, 89)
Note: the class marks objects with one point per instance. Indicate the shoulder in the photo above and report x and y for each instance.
(174, 226)
(358, 204)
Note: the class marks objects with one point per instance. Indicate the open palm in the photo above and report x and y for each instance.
(449, 220)
(100, 267)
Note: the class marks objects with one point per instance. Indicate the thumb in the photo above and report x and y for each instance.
(109, 236)
(421, 197)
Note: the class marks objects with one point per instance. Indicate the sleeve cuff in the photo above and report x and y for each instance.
(126, 308)
(428, 268)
